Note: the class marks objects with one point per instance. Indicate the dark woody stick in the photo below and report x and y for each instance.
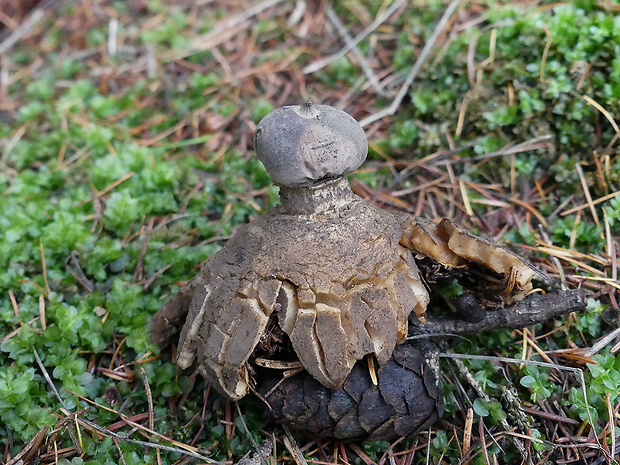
(533, 309)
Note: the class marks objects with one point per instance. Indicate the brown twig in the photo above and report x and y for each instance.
(534, 309)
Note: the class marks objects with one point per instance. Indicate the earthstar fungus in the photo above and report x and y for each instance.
(331, 274)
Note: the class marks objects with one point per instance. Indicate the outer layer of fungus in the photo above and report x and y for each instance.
(337, 273)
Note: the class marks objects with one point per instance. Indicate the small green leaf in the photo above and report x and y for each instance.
(527, 381)
(480, 407)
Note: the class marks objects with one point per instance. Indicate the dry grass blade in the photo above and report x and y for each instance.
(362, 455)
(594, 202)
(550, 416)
(612, 247)
(605, 113)
(460, 123)
(586, 191)
(417, 66)
(561, 252)
(29, 449)
(554, 259)
(469, 421)
(149, 396)
(14, 303)
(35, 16)
(262, 452)
(535, 143)
(120, 451)
(181, 449)
(15, 331)
(115, 184)
(545, 51)
(224, 31)
(366, 68)
(571, 257)
(471, 66)
(48, 379)
(43, 265)
(603, 342)
(509, 360)
(530, 208)
(576, 371)
(483, 440)
(42, 313)
(465, 197)
(533, 345)
(277, 364)
(293, 448)
(473, 382)
(611, 424)
(10, 144)
(317, 65)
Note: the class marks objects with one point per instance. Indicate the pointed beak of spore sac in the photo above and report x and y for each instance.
(301, 145)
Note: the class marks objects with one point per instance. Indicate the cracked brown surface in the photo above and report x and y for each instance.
(340, 276)
(341, 284)
(338, 272)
